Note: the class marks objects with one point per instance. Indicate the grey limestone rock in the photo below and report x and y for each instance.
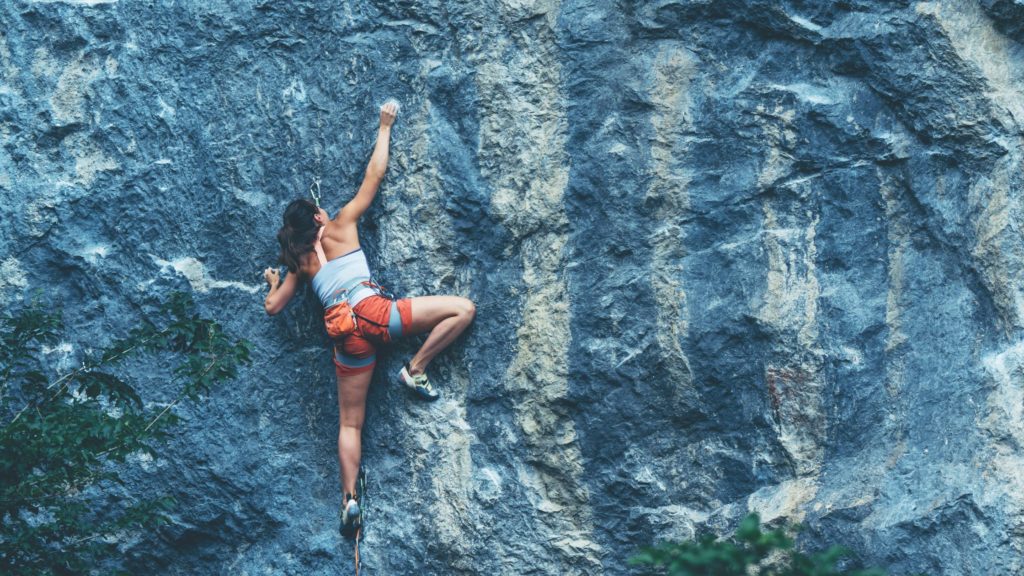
(727, 256)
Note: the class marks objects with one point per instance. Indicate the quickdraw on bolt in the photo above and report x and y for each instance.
(314, 191)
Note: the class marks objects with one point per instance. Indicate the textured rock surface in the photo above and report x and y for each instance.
(727, 256)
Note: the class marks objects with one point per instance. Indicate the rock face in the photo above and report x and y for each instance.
(727, 256)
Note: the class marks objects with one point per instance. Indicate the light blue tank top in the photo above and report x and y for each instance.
(341, 277)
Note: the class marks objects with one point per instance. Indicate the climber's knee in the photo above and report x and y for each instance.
(467, 309)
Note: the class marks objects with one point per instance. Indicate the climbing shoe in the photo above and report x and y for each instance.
(418, 383)
(351, 517)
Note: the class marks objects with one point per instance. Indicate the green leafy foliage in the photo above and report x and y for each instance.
(751, 551)
(61, 439)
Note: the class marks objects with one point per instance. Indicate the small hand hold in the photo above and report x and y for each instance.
(388, 112)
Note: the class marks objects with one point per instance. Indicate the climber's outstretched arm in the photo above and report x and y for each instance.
(375, 171)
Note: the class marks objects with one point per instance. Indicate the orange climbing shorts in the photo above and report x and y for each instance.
(379, 321)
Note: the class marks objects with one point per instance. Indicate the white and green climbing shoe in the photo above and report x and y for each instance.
(418, 383)
(350, 517)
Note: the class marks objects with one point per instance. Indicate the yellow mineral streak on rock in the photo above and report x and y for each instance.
(976, 40)
(897, 232)
(997, 249)
(808, 335)
(898, 226)
(67, 105)
(1002, 419)
(522, 138)
(998, 253)
(898, 238)
(454, 522)
(790, 308)
(89, 159)
(791, 299)
(785, 500)
(778, 162)
(12, 279)
(43, 65)
(673, 70)
(68, 98)
(11, 72)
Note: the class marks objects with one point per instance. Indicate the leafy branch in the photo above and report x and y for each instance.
(60, 440)
(751, 551)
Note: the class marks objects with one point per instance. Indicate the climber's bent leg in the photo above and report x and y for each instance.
(445, 317)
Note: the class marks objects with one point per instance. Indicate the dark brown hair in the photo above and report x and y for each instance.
(298, 232)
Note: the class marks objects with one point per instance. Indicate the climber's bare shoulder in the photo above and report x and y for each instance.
(340, 237)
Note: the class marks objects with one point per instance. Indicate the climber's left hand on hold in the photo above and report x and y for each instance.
(273, 276)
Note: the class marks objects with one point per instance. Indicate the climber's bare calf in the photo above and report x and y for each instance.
(445, 317)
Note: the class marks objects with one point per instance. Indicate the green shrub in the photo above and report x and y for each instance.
(751, 551)
(61, 439)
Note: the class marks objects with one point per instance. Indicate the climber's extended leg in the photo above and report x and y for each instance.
(352, 389)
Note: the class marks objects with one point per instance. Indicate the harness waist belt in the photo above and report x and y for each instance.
(354, 290)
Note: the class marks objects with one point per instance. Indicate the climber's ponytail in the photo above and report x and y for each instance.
(298, 233)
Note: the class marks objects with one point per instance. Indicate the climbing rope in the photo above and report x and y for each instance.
(361, 491)
(358, 533)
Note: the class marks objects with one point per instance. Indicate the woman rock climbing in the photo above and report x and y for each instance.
(358, 314)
